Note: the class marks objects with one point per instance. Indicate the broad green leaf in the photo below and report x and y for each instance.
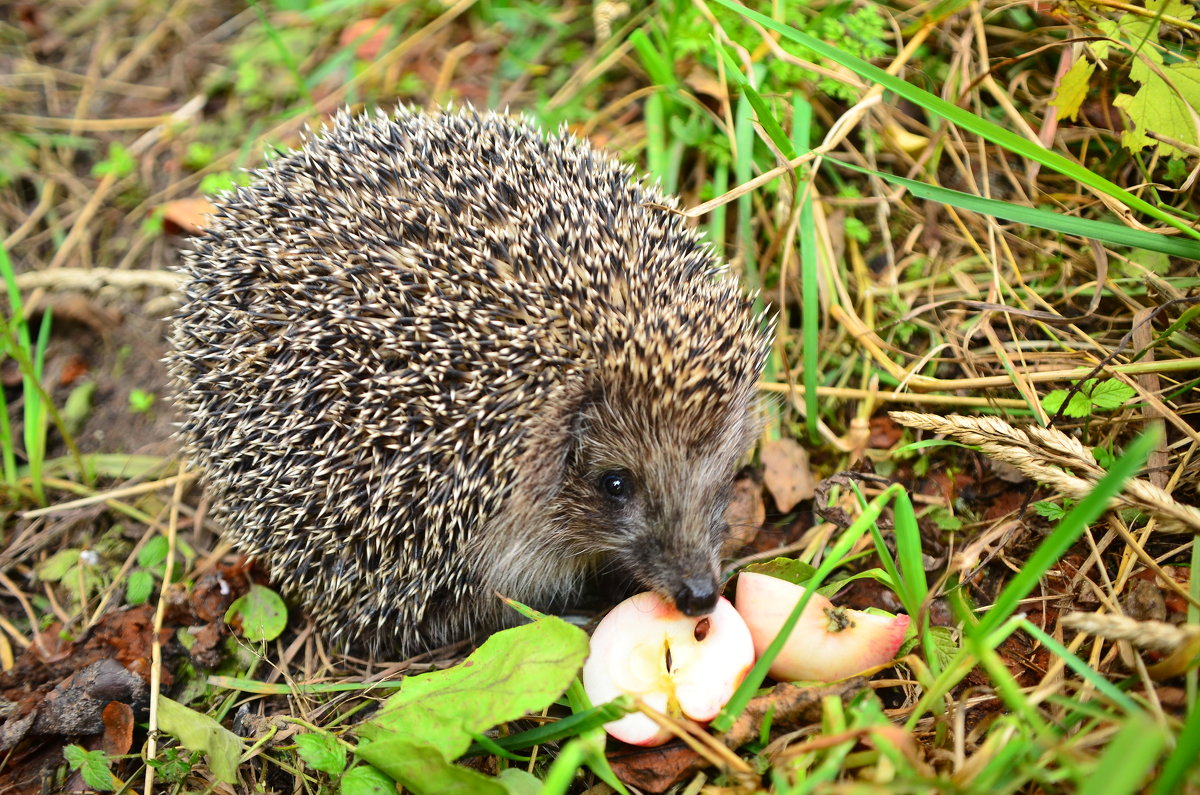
(514, 672)
(422, 769)
(222, 748)
(154, 552)
(1079, 407)
(57, 565)
(1073, 88)
(1165, 104)
(422, 729)
(1049, 510)
(1111, 394)
(264, 615)
(517, 782)
(321, 752)
(366, 780)
(797, 572)
(138, 587)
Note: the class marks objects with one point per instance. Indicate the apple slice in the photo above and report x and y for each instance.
(679, 665)
(827, 644)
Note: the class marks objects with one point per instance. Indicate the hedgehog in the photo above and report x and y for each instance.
(429, 359)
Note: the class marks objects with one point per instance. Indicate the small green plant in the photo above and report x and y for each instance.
(141, 401)
(173, 767)
(152, 566)
(262, 612)
(1092, 396)
(1054, 511)
(221, 181)
(92, 767)
(119, 163)
(30, 358)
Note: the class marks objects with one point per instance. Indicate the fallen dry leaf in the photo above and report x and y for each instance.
(786, 473)
(189, 216)
(745, 514)
(370, 34)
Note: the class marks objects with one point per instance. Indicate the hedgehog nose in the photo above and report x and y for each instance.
(697, 596)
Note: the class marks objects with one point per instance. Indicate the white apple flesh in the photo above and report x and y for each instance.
(679, 665)
(828, 643)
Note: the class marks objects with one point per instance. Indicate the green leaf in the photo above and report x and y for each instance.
(141, 401)
(154, 552)
(423, 770)
(322, 752)
(1126, 765)
(1079, 405)
(263, 614)
(944, 519)
(517, 782)
(366, 780)
(78, 406)
(92, 767)
(222, 748)
(944, 645)
(119, 162)
(57, 565)
(138, 587)
(790, 570)
(1049, 510)
(1073, 88)
(1164, 104)
(430, 722)
(1111, 394)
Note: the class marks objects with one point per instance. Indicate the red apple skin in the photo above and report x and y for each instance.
(710, 656)
(827, 643)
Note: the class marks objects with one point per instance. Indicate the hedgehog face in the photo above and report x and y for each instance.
(645, 501)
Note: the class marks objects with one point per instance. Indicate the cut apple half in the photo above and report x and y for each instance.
(679, 665)
(828, 643)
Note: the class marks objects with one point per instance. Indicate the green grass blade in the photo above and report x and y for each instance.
(660, 70)
(1102, 685)
(1105, 232)
(766, 119)
(35, 412)
(1068, 531)
(1086, 671)
(8, 452)
(743, 170)
(1128, 759)
(1182, 764)
(964, 119)
(810, 295)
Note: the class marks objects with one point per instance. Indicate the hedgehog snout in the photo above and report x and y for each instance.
(696, 596)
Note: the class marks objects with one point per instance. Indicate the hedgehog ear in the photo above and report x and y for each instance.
(554, 443)
(583, 404)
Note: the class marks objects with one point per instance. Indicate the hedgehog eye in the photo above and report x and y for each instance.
(617, 484)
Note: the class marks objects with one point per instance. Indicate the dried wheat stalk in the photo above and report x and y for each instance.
(1043, 453)
(1153, 635)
